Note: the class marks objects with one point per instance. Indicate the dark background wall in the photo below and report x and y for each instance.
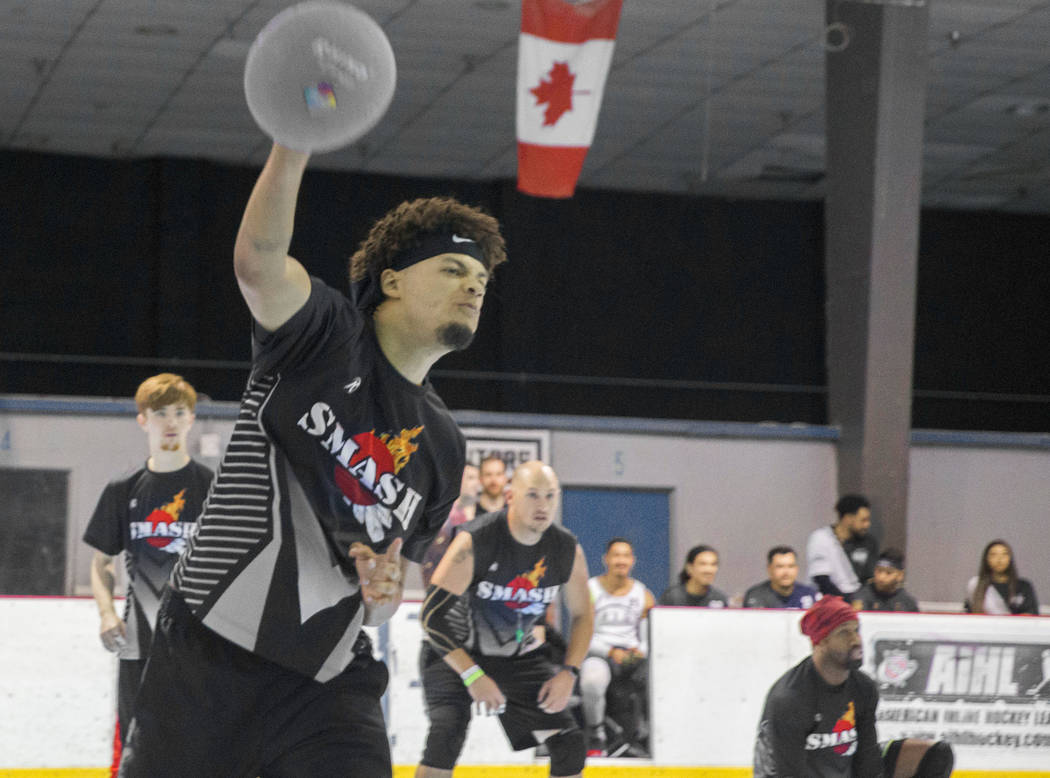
(613, 303)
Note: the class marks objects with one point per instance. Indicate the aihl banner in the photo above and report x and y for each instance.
(564, 54)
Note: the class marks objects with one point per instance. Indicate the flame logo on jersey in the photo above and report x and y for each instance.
(365, 469)
(523, 593)
(843, 736)
(162, 528)
(525, 583)
(847, 725)
(401, 447)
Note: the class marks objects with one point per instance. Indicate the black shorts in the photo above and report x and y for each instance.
(519, 678)
(208, 707)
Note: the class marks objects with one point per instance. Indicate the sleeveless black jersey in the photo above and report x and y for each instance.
(513, 584)
(332, 445)
(150, 517)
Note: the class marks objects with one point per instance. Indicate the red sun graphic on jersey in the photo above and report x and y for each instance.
(165, 514)
(375, 456)
(846, 722)
(525, 582)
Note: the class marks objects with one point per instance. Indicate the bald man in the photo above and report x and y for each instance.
(506, 568)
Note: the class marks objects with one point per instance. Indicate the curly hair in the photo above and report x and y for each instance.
(402, 228)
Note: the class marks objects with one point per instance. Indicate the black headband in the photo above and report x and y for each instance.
(367, 294)
(887, 562)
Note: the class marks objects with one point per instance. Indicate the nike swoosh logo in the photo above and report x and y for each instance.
(458, 239)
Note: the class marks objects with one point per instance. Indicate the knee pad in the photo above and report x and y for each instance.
(937, 762)
(568, 751)
(446, 735)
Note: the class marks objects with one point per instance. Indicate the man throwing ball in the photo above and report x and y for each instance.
(343, 460)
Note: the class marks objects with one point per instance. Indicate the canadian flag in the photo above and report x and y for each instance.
(564, 54)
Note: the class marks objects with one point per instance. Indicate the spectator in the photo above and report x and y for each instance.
(781, 590)
(841, 557)
(694, 587)
(493, 484)
(997, 587)
(885, 591)
(619, 646)
(463, 510)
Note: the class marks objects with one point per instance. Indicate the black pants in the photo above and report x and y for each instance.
(208, 707)
(129, 675)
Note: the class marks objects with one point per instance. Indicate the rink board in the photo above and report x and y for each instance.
(57, 690)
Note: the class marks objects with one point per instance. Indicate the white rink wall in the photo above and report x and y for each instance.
(971, 677)
(57, 684)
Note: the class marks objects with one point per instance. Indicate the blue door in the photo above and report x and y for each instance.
(643, 517)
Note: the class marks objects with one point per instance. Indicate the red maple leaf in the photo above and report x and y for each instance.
(556, 93)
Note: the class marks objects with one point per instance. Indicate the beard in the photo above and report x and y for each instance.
(455, 336)
(854, 664)
(171, 446)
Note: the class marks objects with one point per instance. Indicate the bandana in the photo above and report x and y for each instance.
(824, 616)
(884, 562)
(367, 294)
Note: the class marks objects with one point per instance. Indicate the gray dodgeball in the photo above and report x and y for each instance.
(319, 76)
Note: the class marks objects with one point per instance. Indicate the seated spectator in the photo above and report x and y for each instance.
(841, 557)
(781, 590)
(885, 591)
(694, 587)
(619, 646)
(997, 587)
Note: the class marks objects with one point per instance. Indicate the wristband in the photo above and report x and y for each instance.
(572, 669)
(471, 674)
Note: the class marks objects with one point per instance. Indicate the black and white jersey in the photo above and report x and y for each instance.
(331, 446)
(513, 584)
(150, 517)
(810, 729)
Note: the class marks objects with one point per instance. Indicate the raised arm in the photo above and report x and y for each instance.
(273, 284)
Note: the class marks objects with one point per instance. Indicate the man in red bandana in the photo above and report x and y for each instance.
(819, 717)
